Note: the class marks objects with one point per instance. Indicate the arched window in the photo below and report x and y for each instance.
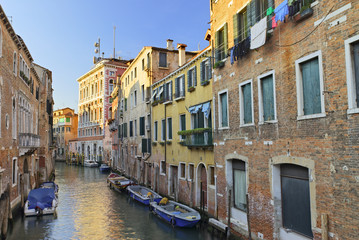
(13, 118)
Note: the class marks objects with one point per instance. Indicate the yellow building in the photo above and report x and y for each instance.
(182, 146)
(64, 129)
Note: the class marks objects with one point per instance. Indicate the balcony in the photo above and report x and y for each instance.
(27, 142)
(199, 138)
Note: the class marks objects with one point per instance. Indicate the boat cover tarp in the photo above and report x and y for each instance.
(41, 197)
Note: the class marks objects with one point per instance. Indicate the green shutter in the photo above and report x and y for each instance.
(202, 70)
(356, 69)
(195, 76)
(210, 69)
(176, 88)
(217, 52)
(144, 145)
(125, 104)
(170, 128)
(189, 79)
(267, 98)
(224, 110)
(236, 28)
(183, 85)
(311, 87)
(225, 39)
(247, 103)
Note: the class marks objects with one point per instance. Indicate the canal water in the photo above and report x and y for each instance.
(88, 209)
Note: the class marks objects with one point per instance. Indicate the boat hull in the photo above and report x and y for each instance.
(33, 212)
(143, 199)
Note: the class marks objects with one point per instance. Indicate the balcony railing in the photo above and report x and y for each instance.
(200, 137)
(29, 140)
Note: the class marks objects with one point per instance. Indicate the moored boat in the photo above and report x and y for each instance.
(41, 201)
(143, 194)
(90, 163)
(104, 168)
(51, 185)
(177, 214)
(118, 182)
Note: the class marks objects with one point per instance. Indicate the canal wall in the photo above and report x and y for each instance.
(5, 212)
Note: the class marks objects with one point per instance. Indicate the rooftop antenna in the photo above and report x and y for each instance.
(114, 34)
(198, 46)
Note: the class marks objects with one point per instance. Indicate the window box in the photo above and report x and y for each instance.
(154, 143)
(169, 142)
(218, 64)
(191, 89)
(205, 83)
(162, 143)
(305, 12)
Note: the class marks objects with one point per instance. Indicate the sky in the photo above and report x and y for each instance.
(60, 34)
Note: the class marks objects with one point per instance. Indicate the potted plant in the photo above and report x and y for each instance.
(218, 64)
(205, 82)
(305, 12)
(191, 89)
(162, 143)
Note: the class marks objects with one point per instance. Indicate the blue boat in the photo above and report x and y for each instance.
(143, 194)
(104, 168)
(178, 215)
(40, 201)
(50, 185)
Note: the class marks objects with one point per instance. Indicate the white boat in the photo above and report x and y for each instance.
(90, 163)
(143, 194)
(41, 201)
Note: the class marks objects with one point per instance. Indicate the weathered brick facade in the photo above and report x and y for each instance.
(326, 144)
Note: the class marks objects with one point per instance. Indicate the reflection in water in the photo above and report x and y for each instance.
(88, 209)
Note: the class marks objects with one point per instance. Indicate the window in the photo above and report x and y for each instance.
(110, 86)
(135, 72)
(68, 129)
(211, 175)
(246, 102)
(296, 199)
(168, 91)
(223, 109)
(266, 97)
(155, 131)
(143, 92)
(191, 171)
(135, 98)
(163, 128)
(14, 171)
(135, 128)
(183, 170)
(68, 119)
(131, 128)
(352, 69)
(124, 130)
(148, 61)
(15, 64)
(13, 123)
(206, 71)
(182, 125)
(240, 26)
(221, 43)
(142, 126)
(163, 167)
(125, 104)
(239, 184)
(309, 76)
(179, 87)
(163, 59)
(143, 64)
(191, 78)
(169, 128)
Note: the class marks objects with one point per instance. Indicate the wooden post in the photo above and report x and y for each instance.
(324, 219)
(229, 213)
(200, 196)
(248, 221)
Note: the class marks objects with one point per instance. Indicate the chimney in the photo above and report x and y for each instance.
(170, 44)
(181, 53)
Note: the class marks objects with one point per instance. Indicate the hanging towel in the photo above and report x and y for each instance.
(232, 55)
(281, 11)
(274, 23)
(270, 11)
(258, 33)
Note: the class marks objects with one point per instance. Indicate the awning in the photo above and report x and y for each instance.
(206, 109)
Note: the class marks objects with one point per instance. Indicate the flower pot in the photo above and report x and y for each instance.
(303, 15)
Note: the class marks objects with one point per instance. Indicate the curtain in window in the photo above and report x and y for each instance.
(247, 103)
(169, 122)
(311, 87)
(224, 110)
(239, 180)
(268, 98)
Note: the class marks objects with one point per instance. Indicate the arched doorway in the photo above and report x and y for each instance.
(201, 185)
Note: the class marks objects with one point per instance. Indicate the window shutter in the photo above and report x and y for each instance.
(216, 51)
(195, 76)
(170, 91)
(268, 98)
(183, 85)
(311, 87)
(247, 103)
(165, 91)
(144, 145)
(202, 70)
(176, 88)
(210, 69)
(236, 29)
(356, 69)
(225, 39)
(188, 79)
